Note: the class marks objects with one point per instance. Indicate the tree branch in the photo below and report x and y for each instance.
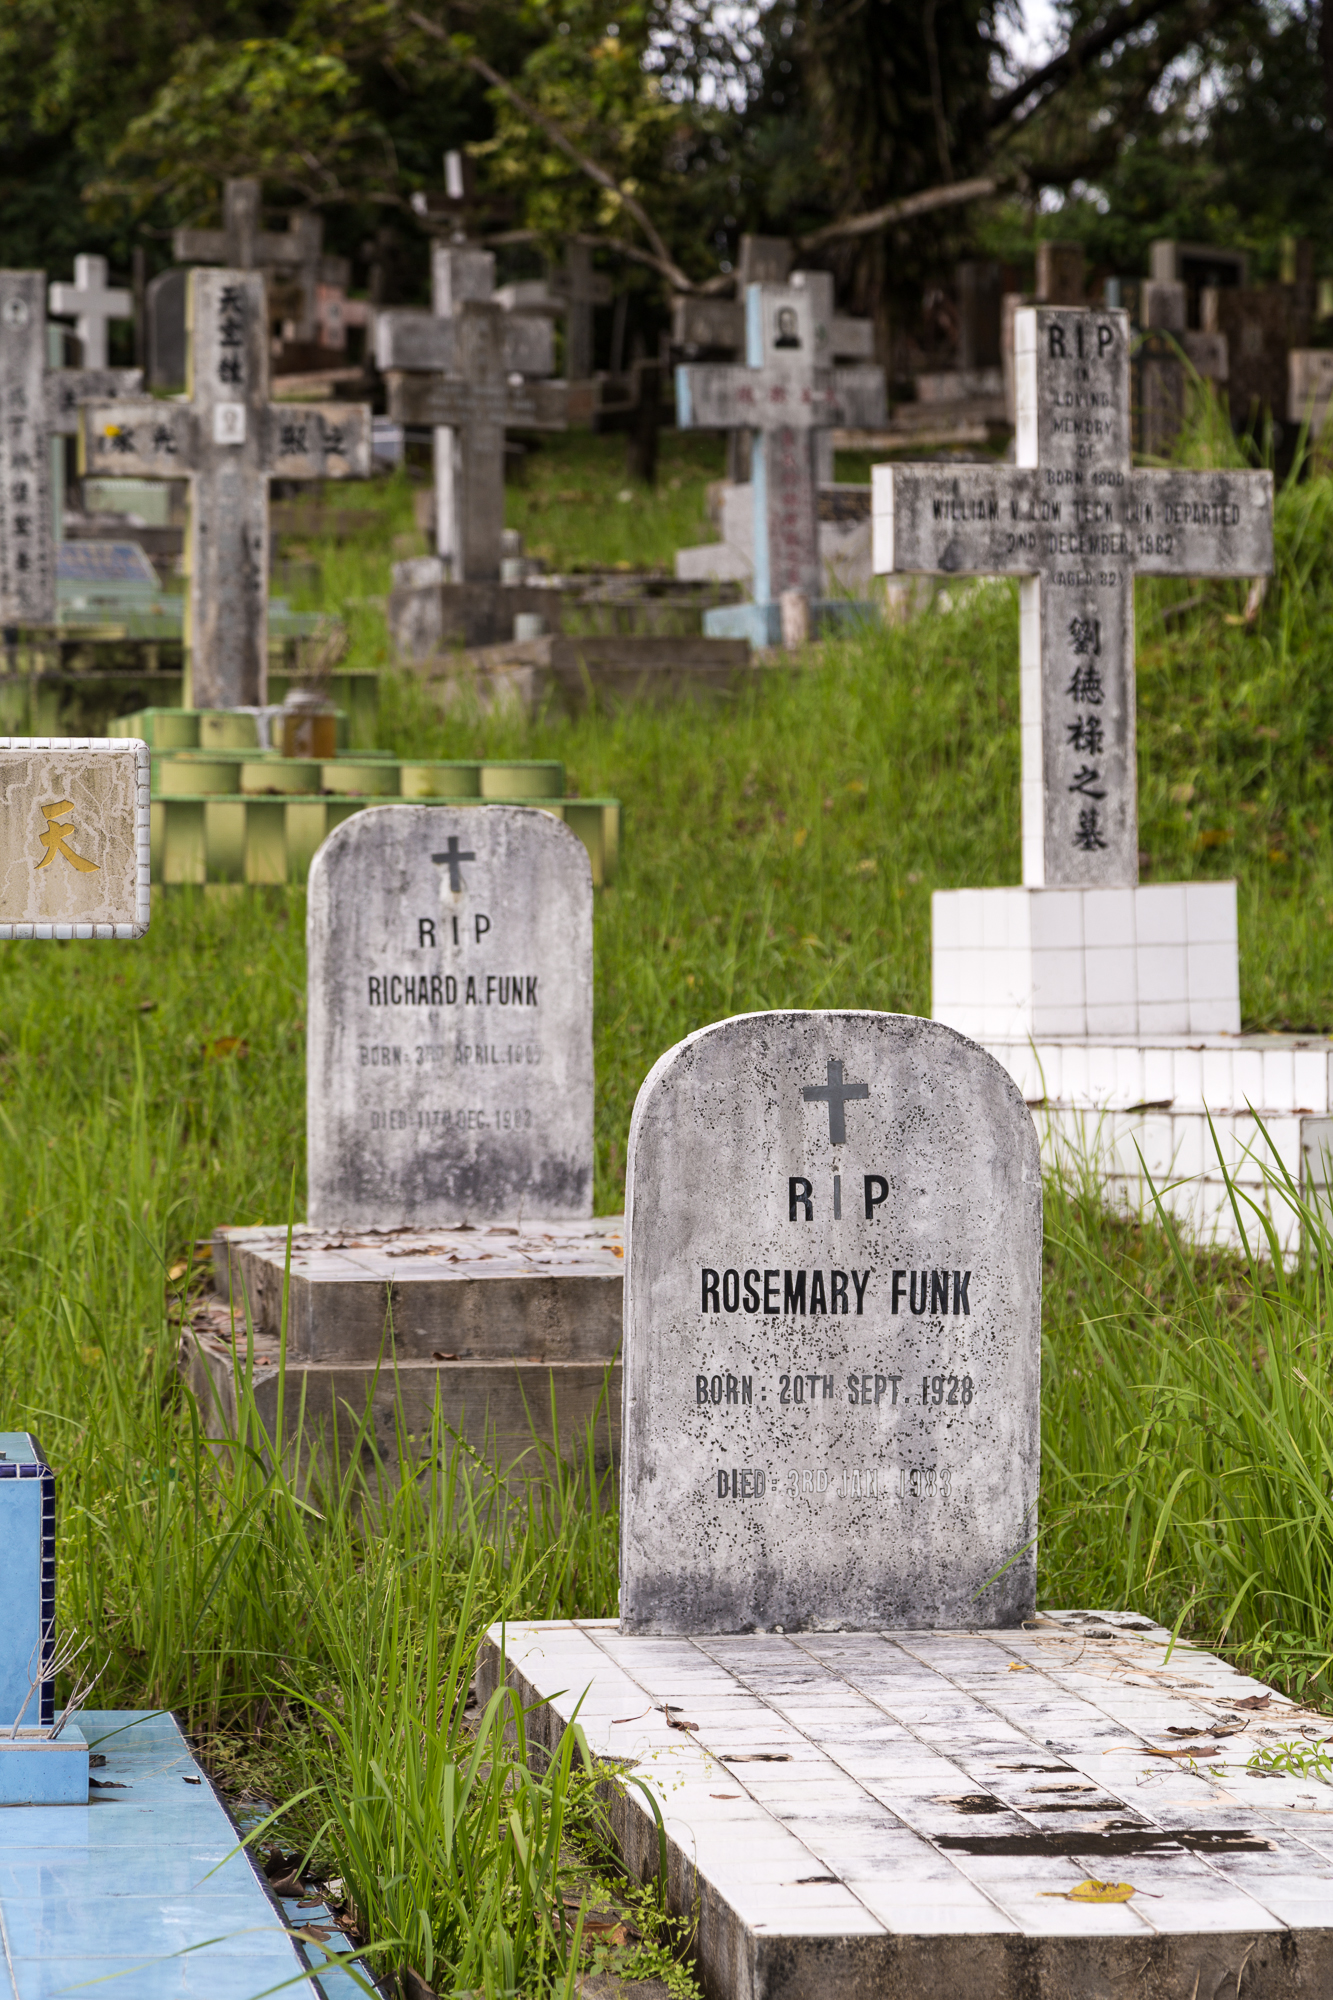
(1063, 68)
(901, 211)
(666, 263)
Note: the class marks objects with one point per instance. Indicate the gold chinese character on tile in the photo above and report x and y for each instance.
(56, 838)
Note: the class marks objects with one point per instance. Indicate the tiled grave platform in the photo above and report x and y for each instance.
(1128, 1105)
(488, 1317)
(140, 1892)
(907, 1813)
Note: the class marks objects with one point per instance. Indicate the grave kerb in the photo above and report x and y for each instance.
(227, 440)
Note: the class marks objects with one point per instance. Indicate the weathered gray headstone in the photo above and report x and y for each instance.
(228, 441)
(93, 304)
(449, 1019)
(164, 305)
(35, 401)
(467, 370)
(832, 1332)
(1077, 523)
(295, 254)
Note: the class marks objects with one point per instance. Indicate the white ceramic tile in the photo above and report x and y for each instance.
(1163, 1017)
(1187, 1146)
(969, 919)
(944, 919)
(946, 978)
(1020, 920)
(1310, 1079)
(1110, 976)
(1210, 912)
(1057, 919)
(1279, 1087)
(1162, 974)
(1129, 1074)
(1157, 1144)
(1050, 1062)
(1120, 1019)
(1247, 1078)
(1074, 1077)
(1159, 913)
(1187, 1073)
(1159, 1076)
(1214, 1017)
(1108, 917)
(1057, 979)
(994, 919)
(1053, 1021)
(1219, 1092)
(1100, 1076)
(1213, 972)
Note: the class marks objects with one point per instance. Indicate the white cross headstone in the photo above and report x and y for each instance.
(449, 1041)
(74, 837)
(35, 403)
(832, 1332)
(1077, 522)
(228, 441)
(469, 369)
(93, 304)
(783, 397)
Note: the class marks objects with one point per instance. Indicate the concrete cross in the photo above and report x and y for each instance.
(242, 244)
(451, 859)
(92, 303)
(1077, 523)
(35, 403)
(836, 1094)
(468, 370)
(228, 440)
(784, 397)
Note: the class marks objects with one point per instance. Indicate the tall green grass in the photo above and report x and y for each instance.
(780, 850)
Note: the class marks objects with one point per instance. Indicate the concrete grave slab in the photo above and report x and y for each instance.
(913, 1812)
(450, 1019)
(832, 1331)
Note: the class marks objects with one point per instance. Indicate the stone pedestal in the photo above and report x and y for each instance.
(916, 1812)
(496, 1322)
(1117, 1013)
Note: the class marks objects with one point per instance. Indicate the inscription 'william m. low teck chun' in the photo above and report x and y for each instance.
(831, 1403)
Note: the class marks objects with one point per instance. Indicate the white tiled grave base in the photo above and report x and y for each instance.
(905, 1813)
(1157, 960)
(1129, 1109)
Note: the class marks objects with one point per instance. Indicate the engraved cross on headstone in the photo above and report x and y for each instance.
(836, 1094)
(228, 440)
(784, 396)
(92, 303)
(35, 402)
(1077, 523)
(451, 858)
(464, 372)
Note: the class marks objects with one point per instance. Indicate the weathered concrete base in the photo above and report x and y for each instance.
(852, 1814)
(609, 670)
(513, 1414)
(761, 624)
(495, 1322)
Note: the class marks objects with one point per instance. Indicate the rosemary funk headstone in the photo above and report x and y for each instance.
(228, 441)
(832, 1332)
(35, 403)
(1077, 523)
(74, 837)
(449, 1073)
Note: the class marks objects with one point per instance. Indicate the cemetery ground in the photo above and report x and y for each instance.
(780, 851)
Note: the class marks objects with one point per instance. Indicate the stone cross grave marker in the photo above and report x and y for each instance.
(228, 441)
(35, 402)
(783, 396)
(449, 1074)
(92, 304)
(243, 244)
(1077, 523)
(832, 1332)
(465, 370)
(73, 837)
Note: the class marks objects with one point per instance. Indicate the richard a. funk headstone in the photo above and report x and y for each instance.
(449, 1073)
(832, 1332)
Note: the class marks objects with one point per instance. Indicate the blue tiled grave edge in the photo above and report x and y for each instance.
(761, 623)
(27, 1575)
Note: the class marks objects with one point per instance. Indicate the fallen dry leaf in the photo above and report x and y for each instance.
(1101, 1892)
(1251, 1701)
(1187, 1750)
(222, 1046)
(177, 1271)
(437, 1354)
